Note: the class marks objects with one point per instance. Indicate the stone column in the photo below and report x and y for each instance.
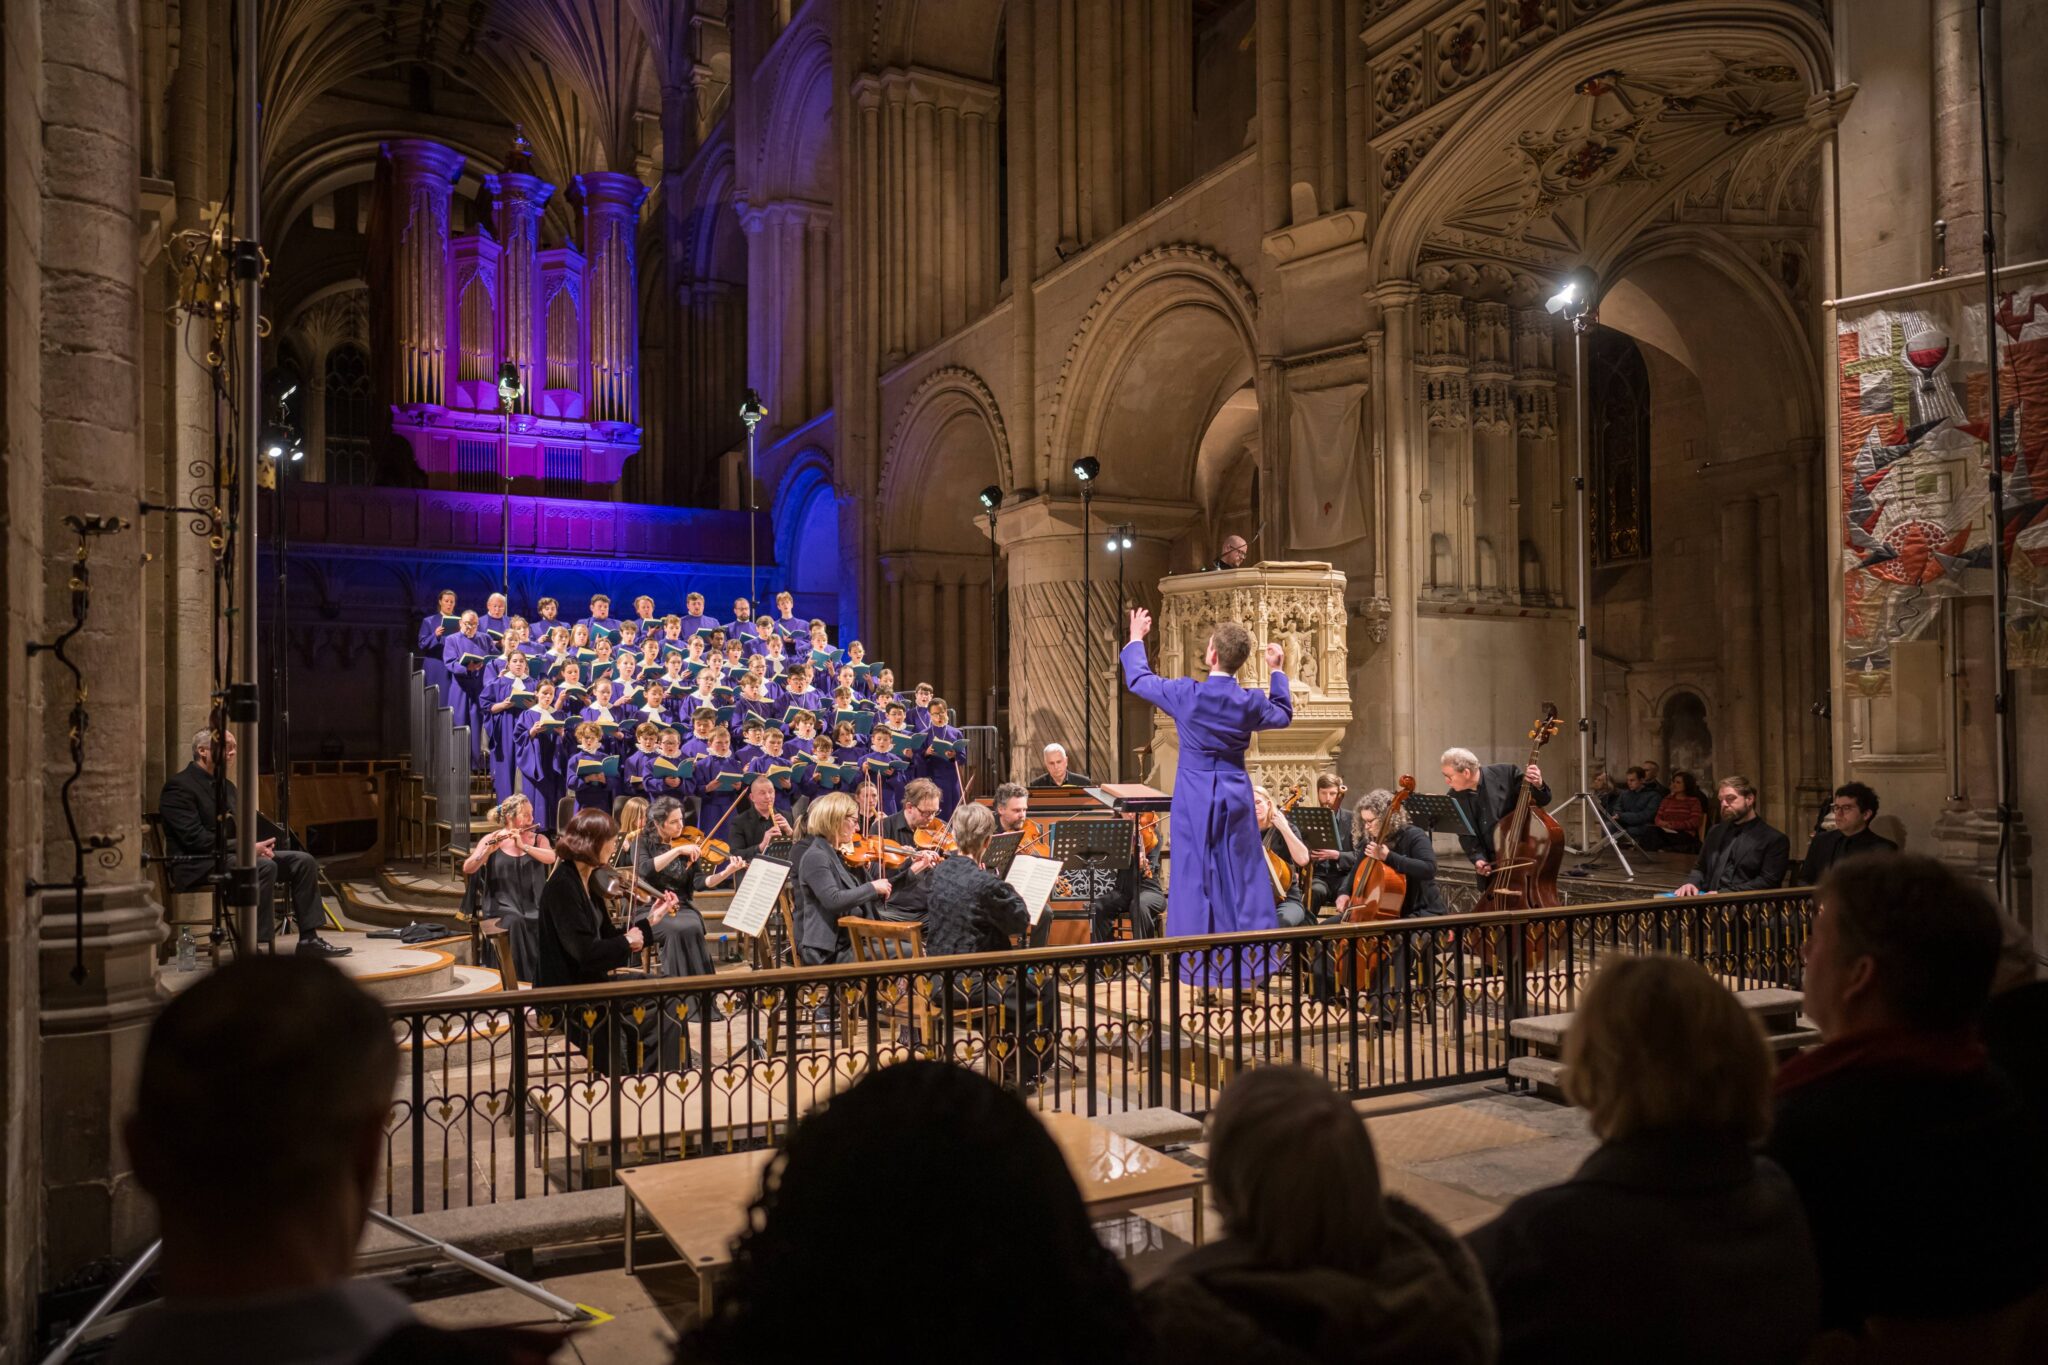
(1395, 392)
(1735, 727)
(1776, 673)
(422, 174)
(610, 201)
(517, 202)
(1958, 150)
(92, 1025)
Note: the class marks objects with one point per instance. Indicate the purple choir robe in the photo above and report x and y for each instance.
(430, 654)
(1220, 883)
(493, 628)
(693, 624)
(466, 689)
(598, 793)
(712, 808)
(943, 771)
(888, 781)
(539, 759)
(501, 727)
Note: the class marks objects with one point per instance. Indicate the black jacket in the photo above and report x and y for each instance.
(1499, 783)
(1412, 853)
(964, 908)
(1830, 846)
(187, 810)
(1750, 856)
(1044, 782)
(825, 890)
(579, 944)
(1679, 1248)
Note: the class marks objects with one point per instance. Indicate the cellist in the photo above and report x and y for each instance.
(1482, 796)
(1410, 852)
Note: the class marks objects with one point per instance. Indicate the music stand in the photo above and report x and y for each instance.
(1434, 814)
(1096, 854)
(778, 850)
(1002, 850)
(1317, 826)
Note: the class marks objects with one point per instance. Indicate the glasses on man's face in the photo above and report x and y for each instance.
(1846, 808)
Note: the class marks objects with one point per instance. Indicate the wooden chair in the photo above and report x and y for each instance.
(877, 940)
(500, 939)
(182, 909)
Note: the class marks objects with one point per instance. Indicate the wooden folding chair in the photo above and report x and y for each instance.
(877, 940)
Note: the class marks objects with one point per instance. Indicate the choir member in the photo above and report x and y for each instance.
(693, 617)
(433, 631)
(785, 615)
(550, 614)
(496, 620)
(921, 705)
(593, 786)
(600, 617)
(540, 753)
(503, 700)
(465, 655)
(712, 807)
(644, 617)
(672, 772)
(882, 768)
(944, 771)
(703, 721)
(633, 769)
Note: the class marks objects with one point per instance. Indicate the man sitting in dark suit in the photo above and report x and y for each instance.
(1482, 796)
(1855, 807)
(1742, 853)
(188, 814)
(1057, 772)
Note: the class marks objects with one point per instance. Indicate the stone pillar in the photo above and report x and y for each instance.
(422, 174)
(1736, 745)
(1395, 388)
(1300, 607)
(93, 1026)
(1958, 150)
(1776, 673)
(610, 201)
(1049, 685)
(517, 202)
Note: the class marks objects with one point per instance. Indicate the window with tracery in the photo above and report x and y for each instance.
(1619, 403)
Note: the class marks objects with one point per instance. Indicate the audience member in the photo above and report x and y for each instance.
(1673, 1242)
(1742, 853)
(988, 1223)
(1918, 1161)
(1681, 816)
(1635, 806)
(1855, 806)
(1652, 778)
(1316, 1263)
(283, 1061)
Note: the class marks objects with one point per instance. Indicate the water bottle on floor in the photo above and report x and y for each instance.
(188, 952)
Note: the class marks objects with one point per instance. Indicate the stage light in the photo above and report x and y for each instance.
(1574, 296)
(1111, 546)
(991, 498)
(1127, 539)
(286, 396)
(509, 387)
(752, 411)
(277, 439)
(1086, 468)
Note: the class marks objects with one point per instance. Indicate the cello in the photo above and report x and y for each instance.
(1528, 846)
(1377, 892)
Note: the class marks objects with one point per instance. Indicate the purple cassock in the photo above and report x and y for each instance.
(540, 760)
(465, 689)
(430, 654)
(1220, 884)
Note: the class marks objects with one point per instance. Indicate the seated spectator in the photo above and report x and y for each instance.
(1605, 792)
(992, 1214)
(258, 1127)
(1635, 806)
(1316, 1263)
(1653, 780)
(1918, 1161)
(1673, 1242)
(1855, 806)
(1679, 818)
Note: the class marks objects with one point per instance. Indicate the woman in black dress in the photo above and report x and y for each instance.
(826, 888)
(580, 946)
(663, 864)
(507, 870)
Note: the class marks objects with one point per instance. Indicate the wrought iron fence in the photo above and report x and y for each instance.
(511, 1096)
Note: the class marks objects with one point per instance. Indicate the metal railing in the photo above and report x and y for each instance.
(511, 1096)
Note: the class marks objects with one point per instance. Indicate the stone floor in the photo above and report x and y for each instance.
(1458, 1153)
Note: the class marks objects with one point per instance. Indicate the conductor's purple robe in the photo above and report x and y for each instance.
(1220, 884)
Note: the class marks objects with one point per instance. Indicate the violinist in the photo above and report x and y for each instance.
(1012, 806)
(1285, 846)
(920, 812)
(1412, 853)
(663, 863)
(1482, 796)
(826, 889)
(1332, 867)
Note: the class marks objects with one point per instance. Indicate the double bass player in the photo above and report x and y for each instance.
(1484, 794)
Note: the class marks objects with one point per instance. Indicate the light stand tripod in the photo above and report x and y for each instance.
(1576, 301)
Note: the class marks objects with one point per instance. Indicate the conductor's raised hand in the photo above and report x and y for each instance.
(1275, 656)
(1141, 624)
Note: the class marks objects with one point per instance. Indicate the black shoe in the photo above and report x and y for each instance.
(315, 946)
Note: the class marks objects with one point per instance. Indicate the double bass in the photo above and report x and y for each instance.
(1528, 846)
(1377, 892)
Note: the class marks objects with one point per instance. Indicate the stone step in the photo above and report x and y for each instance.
(391, 972)
(370, 904)
(411, 885)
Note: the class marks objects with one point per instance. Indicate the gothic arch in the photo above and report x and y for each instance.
(1167, 340)
(804, 497)
(1481, 165)
(795, 156)
(950, 427)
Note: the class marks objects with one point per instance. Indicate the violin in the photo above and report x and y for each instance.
(1037, 839)
(935, 835)
(1148, 831)
(1377, 892)
(874, 850)
(709, 851)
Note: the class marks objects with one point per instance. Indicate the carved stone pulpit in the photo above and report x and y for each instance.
(1300, 607)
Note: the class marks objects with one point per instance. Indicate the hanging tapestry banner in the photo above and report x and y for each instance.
(1917, 526)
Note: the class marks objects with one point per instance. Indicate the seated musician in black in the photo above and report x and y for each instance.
(1333, 866)
(1137, 894)
(826, 890)
(1483, 797)
(663, 863)
(920, 811)
(187, 809)
(1277, 834)
(1741, 853)
(1855, 806)
(966, 908)
(1058, 772)
(758, 823)
(1411, 853)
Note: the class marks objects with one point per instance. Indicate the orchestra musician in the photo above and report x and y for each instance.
(514, 860)
(1331, 868)
(1137, 896)
(1058, 773)
(665, 865)
(1412, 853)
(826, 889)
(761, 821)
(1011, 805)
(1220, 882)
(1276, 833)
(1483, 795)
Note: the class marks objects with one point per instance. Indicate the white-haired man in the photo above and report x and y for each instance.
(188, 810)
(1483, 794)
(1058, 772)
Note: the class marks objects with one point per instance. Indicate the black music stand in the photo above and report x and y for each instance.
(1002, 850)
(1095, 854)
(1435, 814)
(1317, 826)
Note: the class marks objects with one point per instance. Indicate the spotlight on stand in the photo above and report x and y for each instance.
(991, 498)
(509, 386)
(752, 411)
(1574, 297)
(1086, 468)
(280, 442)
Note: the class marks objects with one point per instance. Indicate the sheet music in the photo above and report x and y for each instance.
(1033, 877)
(755, 900)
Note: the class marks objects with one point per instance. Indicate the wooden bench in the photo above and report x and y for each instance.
(1542, 1035)
(701, 1205)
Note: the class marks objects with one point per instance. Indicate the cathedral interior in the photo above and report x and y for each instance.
(1285, 269)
